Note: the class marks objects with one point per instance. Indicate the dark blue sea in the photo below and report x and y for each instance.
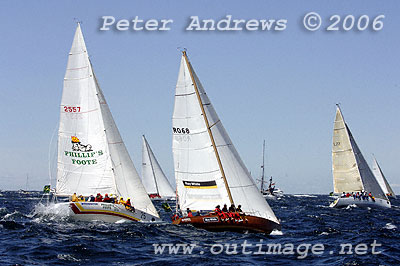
(31, 234)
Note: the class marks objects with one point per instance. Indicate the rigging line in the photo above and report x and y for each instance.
(208, 127)
(49, 155)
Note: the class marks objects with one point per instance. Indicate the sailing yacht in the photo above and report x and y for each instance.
(154, 179)
(376, 169)
(351, 173)
(208, 169)
(92, 158)
(272, 191)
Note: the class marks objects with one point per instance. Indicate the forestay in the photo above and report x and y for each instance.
(200, 182)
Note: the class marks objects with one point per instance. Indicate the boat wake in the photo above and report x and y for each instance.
(51, 211)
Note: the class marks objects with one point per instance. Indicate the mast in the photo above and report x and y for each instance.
(208, 128)
(151, 164)
(262, 167)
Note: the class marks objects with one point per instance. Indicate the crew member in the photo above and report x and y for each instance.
(74, 198)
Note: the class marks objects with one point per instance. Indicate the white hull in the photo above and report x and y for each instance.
(344, 202)
(106, 212)
(276, 194)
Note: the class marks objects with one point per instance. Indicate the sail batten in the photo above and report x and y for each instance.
(208, 188)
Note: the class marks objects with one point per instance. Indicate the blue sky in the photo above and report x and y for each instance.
(278, 86)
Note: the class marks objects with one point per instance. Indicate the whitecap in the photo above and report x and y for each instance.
(276, 233)
(351, 206)
(67, 257)
(305, 196)
(390, 226)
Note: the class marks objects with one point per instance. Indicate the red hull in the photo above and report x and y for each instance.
(213, 223)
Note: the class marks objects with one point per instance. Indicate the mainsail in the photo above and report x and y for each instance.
(380, 177)
(351, 172)
(154, 179)
(92, 157)
(208, 169)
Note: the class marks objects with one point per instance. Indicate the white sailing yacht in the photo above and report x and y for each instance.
(92, 158)
(376, 169)
(154, 179)
(208, 169)
(351, 173)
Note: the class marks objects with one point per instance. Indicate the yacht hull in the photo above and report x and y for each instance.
(344, 202)
(107, 212)
(214, 223)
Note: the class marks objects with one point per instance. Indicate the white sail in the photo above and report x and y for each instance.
(154, 179)
(127, 180)
(346, 177)
(380, 177)
(351, 172)
(199, 177)
(92, 157)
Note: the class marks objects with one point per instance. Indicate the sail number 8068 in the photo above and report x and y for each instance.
(181, 130)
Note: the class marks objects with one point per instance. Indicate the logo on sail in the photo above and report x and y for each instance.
(77, 146)
(201, 185)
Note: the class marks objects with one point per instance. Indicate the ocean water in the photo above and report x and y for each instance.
(32, 234)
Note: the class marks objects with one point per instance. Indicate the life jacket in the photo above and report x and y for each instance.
(190, 214)
(107, 199)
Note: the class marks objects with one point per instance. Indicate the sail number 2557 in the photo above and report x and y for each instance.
(72, 109)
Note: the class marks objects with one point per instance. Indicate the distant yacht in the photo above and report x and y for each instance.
(352, 177)
(153, 177)
(271, 191)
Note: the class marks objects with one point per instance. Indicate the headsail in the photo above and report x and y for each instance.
(154, 179)
(351, 172)
(92, 158)
(380, 177)
(207, 165)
